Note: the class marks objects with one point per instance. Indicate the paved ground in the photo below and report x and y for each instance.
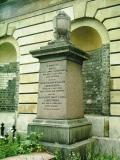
(33, 156)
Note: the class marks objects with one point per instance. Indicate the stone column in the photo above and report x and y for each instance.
(60, 114)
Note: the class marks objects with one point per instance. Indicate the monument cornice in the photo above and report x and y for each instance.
(60, 48)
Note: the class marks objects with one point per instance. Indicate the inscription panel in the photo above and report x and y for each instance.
(52, 89)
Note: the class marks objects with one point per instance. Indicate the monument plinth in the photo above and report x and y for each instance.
(60, 114)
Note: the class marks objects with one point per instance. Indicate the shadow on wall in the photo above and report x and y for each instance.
(86, 38)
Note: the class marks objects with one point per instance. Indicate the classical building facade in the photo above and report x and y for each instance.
(27, 25)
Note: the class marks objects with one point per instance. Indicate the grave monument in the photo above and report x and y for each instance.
(60, 114)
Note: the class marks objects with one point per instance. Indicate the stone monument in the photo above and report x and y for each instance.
(60, 114)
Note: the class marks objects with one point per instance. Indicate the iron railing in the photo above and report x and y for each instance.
(5, 133)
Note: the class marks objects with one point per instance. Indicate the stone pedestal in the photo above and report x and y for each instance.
(60, 113)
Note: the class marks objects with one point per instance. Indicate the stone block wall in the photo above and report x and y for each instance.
(96, 81)
(8, 87)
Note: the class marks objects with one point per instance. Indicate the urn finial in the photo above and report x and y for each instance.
(62, 24)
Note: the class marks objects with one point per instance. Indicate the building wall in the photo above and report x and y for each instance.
(33, 28)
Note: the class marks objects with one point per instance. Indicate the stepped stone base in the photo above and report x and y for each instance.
(61, 131)
(66, 150)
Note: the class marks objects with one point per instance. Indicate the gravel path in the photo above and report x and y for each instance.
(33, 156)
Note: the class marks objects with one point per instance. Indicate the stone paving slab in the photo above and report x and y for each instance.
(33, 156)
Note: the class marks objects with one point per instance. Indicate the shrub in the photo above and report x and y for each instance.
(10, 146)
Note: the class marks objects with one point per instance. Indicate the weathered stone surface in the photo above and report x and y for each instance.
(61, 131)
(26, 49)
(114, 127)
(42, 27)
(74, 91)
(115, 71)
(29, 78)
(28, 88)
(115, 46)
(67, 149)
(3, 29)
(58, 93)
(11, 30)
(52, 91)
(29, 68)
(98, 125)
(92, 7)
(60, 62)
(24, 59)
(114, 34)
(96, 82)
(28, 7)
(112, 22)
(22, 122)
(115, 84)
(115, 58)
(28, 98)
(9, 121)
(108, 146)
(115, 109)
(79, 9)
(36, 38)
(60, 108)
(107, 13)
(8, 87)
(115, 96)
(27, 108)
(35, 156)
